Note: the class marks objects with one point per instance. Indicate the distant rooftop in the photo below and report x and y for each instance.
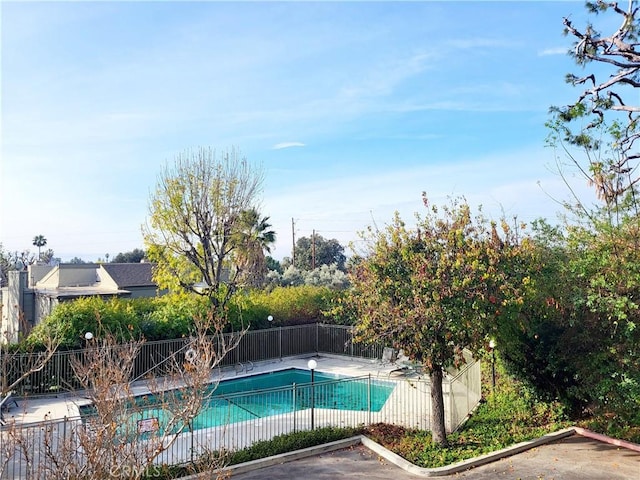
(128, 275)
(78, 292)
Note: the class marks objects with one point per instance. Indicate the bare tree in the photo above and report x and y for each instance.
(194, 221)
(605, 108)
(119, 439)
(18, 364)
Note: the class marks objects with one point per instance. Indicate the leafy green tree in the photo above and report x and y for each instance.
(599, 133)
(533, 341)
(292, 276)
(195, 221)
(315, 251)
(324, 276)
(433, 291)
(606, 261)
(273, 264)
(574, 337)
(39, 241)
(134, 256)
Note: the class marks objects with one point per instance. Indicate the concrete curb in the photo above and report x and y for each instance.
(466, 464)
(414, 469)
(295, 455)
(283, 457)
(603, 438)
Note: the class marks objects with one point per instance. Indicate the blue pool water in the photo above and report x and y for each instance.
(267, 394)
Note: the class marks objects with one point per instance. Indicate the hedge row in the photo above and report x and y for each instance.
(171, 316)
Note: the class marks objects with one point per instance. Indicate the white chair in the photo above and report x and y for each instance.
(388, 356)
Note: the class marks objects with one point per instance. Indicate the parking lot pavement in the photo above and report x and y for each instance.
(573, 458)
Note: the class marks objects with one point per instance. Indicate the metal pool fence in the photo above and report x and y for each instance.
(235, 421)
(154, 358)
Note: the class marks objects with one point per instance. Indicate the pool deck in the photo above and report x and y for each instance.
(38, 409)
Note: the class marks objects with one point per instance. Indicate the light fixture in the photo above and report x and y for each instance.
(492, 347)
(312, 364)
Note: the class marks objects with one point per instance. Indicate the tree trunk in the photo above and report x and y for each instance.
(438, 430)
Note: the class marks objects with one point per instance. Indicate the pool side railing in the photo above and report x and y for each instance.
(409, 404)
(241, 419)
(155, 358)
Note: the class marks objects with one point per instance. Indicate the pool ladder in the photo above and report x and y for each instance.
(244, 367)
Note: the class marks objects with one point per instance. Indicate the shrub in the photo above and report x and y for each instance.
(510, 415)
(287, 305)
(173, 316)
(69, 321)
(290, 442)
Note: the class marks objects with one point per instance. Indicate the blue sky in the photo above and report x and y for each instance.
(352, 109)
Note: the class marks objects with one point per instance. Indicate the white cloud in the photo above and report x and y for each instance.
(553, 51)
(280, 146)
(480, 42)
(343, 206)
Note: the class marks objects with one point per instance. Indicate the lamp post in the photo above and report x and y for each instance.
(312, 364)
(88, 337)
(270, 319)
(492, 347)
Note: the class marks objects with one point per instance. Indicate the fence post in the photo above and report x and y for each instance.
(294, 408)
(369, 398)
(466, 383)
(451, 404)
(280, 341)
(191, 433)
(351, 343)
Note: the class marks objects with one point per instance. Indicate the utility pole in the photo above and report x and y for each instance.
(313, 250)
(293, 238)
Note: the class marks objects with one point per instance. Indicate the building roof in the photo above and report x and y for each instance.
(68, 293)
(128, 275)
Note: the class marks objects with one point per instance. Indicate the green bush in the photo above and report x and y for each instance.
(171, 316)
(290, 442)
(510, 415)
(287, 305)
(341, 309)
(69, 321)
(266, 448)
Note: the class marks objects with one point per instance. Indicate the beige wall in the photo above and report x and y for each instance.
(105, 280)
(17, 299)
(70, 276)
(37, 273)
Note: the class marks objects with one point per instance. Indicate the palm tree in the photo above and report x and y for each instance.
(256, 237)
(39, 241)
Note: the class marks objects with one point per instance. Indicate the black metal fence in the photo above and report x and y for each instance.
(227, 423)
(153, 358)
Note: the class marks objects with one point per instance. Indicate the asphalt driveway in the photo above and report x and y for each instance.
(573, 458)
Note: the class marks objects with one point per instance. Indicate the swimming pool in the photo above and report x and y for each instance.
(263, 395)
